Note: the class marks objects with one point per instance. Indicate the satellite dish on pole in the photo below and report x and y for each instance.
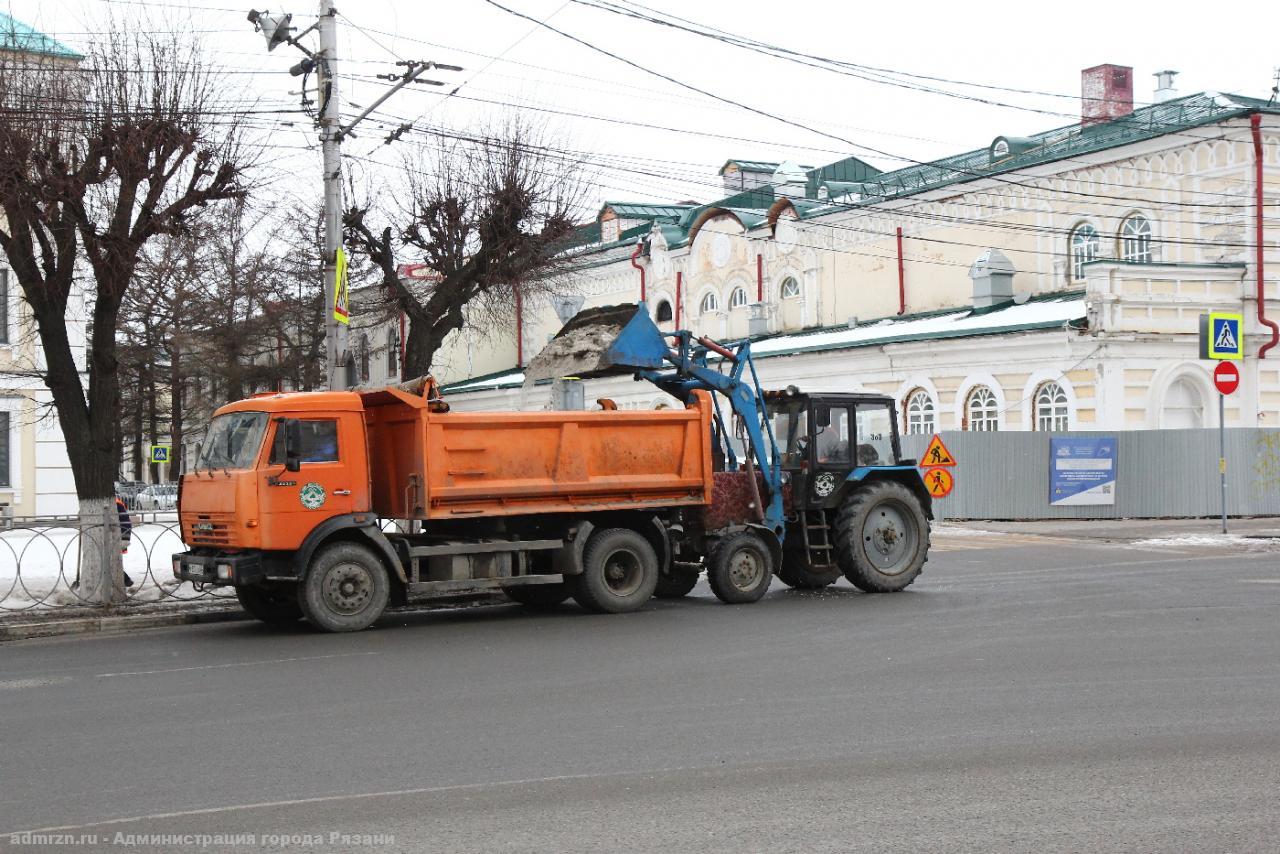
(274, 28)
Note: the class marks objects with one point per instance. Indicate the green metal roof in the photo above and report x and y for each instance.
(17, 37)
(641, 210)
(1074, 140)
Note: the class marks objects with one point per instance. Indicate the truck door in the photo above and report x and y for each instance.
(330, 482)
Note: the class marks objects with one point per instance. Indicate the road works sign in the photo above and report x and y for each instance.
(937, 454)
(939, 482)
(160, 453)
(1221, 335)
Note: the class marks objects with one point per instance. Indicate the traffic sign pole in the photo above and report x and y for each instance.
(1222, 454)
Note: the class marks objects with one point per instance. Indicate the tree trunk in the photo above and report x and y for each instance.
(153, 420)
(177, 452)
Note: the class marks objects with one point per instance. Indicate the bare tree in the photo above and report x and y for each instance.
(95, 162)
(491, 214)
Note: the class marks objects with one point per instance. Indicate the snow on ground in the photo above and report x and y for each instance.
(945, 530)
(1211, 541)
(38, 566)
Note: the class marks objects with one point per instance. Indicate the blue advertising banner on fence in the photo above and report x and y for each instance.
(1082, 470)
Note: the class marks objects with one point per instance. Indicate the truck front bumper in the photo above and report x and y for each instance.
(239, 569)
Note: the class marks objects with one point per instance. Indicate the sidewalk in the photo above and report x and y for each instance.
(1128, 530)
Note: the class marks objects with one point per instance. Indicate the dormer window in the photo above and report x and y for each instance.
(609, 230)
(1000, 149)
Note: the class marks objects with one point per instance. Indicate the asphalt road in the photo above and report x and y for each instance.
(1027, 694)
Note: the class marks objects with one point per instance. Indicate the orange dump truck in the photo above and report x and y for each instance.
(289, 499)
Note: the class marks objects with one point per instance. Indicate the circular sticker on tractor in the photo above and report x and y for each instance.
(824, 484)
(312, 496)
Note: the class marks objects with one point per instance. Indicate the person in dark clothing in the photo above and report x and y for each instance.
(126, 533)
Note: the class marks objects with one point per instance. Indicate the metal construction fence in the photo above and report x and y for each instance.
(40, 562)
(1158, 474)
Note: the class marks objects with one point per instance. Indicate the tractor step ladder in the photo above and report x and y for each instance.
(817, 538)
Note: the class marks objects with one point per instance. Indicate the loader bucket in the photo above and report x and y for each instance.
(610, 339)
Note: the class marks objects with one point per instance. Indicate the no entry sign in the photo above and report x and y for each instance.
(1226, 377)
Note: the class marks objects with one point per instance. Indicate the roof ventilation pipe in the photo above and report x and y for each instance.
(1164, 85)
(992, 276)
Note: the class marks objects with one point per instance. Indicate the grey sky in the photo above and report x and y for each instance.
(1039, 47)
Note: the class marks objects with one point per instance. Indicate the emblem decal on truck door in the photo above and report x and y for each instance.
(312, 496)
(824, 484)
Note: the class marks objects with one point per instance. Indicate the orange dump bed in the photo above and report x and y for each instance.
(431, 465)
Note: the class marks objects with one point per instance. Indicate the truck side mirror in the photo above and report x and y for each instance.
(292, 444)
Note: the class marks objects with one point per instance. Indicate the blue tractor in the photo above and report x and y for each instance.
(809, 486)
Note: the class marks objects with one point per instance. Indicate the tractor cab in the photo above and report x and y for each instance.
(827, 439)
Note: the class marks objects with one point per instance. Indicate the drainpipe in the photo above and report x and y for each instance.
(679, 281)
(902, 278)
(1255, 126)
(634, 263)
(759, 277)
(519, 328)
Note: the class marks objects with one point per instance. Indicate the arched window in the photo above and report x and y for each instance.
(709, 303)
(1051, 408)
(919, 412)
(1084, 248)
(981, 410)
(1135, 239)
(1183, 406)
(790, 288)
(663, 314)
(738, 298)
(364, 358)
(393, 354)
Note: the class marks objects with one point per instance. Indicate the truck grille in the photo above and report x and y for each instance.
(206, 532)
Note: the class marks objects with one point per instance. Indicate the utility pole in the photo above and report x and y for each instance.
(324, 61)
(336, 332)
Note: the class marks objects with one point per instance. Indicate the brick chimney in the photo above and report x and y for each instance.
(1106, 93)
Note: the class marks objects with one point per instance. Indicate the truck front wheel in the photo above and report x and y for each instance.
(740, 568)
(345, 590)
(275, 606)
(882, 538)
(619, 572)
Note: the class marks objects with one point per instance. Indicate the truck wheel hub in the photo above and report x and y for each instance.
(347, 588)
(887, 538)
(745, 570)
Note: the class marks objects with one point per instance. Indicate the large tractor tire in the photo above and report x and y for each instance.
(538, 597)
(882, 538)
(276, 606)
(619, 572)
(345, 590)
(740, 568)
(796, 572)
(678, 582)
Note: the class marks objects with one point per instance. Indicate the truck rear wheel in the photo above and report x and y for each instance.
(796, 572)
(274, 606)
(882, 538)
(619, 572)
(740, 568)
(345, 590)
(538, 596)
(678, 581)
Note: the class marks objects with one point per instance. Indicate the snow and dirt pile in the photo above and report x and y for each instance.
(1209, 542)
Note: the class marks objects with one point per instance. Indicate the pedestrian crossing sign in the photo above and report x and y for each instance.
(160, 453)
(1221, 335)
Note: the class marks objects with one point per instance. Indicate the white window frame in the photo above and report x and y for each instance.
(920, 413)
(709, 303)
(738, 298)
(1083, 237)
(1051, 408)
(782, 288)
(982, 410)
(1135, 239)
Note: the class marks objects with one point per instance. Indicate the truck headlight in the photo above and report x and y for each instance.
(177, 568)
(224, 572)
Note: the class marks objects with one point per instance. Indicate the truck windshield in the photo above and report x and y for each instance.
(233, 441)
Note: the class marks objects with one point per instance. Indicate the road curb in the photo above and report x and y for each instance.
(112, 623)
(117, 623)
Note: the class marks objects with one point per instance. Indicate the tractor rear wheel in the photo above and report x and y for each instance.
(882, 538)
